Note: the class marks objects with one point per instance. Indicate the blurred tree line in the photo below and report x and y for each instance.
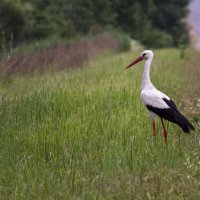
(154, 23)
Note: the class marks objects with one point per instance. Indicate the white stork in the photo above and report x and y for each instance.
(158, 103)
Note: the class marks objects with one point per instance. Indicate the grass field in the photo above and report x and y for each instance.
(84, 134)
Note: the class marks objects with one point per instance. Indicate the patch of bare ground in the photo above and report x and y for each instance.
(58, 58)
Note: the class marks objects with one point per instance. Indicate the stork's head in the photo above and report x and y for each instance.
(145, 55)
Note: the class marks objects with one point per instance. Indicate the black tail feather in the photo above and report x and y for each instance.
(183, 122)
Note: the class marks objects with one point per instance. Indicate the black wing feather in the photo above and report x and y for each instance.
(170, 103)
(172, 114)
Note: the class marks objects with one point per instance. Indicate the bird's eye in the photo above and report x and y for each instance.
(144, 54)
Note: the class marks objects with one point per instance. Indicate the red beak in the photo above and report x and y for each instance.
(134, 62)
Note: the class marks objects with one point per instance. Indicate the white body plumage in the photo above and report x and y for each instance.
(149, 94)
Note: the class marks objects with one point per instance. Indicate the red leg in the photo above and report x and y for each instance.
(165, 132)
(154, 128)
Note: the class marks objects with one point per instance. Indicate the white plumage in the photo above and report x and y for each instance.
(154, 98)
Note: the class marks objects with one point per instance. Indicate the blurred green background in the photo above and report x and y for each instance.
(154, 23)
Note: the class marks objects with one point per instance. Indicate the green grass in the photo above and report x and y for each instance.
(85, 134)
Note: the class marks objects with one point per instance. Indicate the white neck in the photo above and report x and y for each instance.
(146, 82)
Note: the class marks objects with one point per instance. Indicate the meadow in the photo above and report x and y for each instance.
(84, 133)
